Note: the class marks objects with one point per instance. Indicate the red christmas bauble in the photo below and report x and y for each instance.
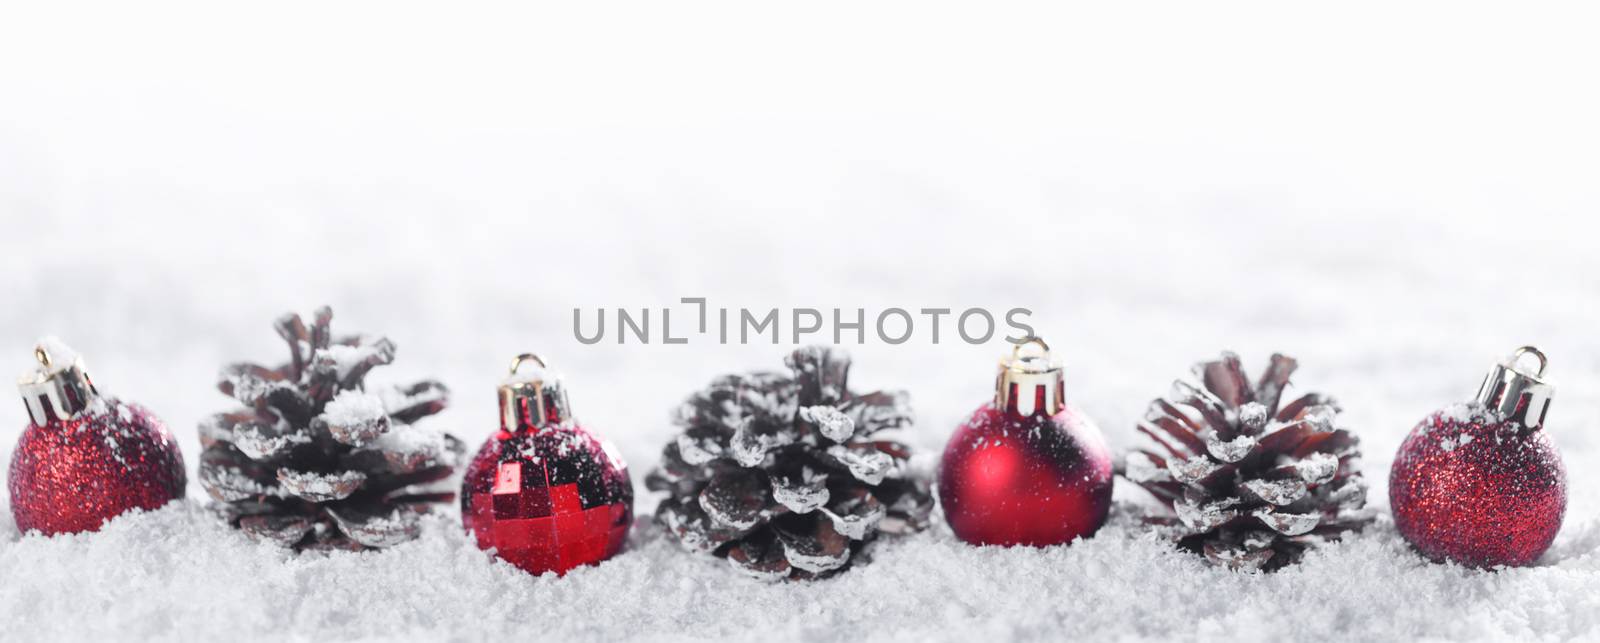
(543, 492)
(85, 459)
(1479, 483)
(1028, 469)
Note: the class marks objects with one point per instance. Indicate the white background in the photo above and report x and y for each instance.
(1397, 194)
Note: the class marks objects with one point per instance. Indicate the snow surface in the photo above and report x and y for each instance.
(1395, 194)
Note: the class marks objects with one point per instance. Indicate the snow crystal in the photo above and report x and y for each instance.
(856, 527)
(248, 388)
(1231, 451)
(320, 487)
(1288, 524)
(353, 407)
(1192, 470)
(1449, 443)
(1468, 413)
(832, 422)
(410, 439)
(229, 484)
(344, 358)
(1207, 516)
(804, 495)
(1253, 415)
(102, 405)
(866, 465)
(750, 447)
(697, 451)
(259, 442)
(1317, 468)
(1278, 492)
(395, 398)
(1140, 468)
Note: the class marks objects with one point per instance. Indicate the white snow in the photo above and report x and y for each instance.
(1393, 194)
(1317, 468)
(1290, 524)
(832, 422)
(1140, 468)
(1278, 492)
(804, 495)
(351, 408)
(419, 439)
(1232, 450)
(344, 358)
(869, 466)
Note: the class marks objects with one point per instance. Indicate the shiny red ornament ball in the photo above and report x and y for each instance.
(72, 475)
(1480, 483)
(1028, 469)
(544, 493)
(1479, 491)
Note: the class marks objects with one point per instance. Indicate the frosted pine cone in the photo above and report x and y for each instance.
(782, 474)
(1252, 485)
(317, 461)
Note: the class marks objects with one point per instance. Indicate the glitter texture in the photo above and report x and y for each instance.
(71, 476)
(1478, 491)
(547, 499)
(1037, 480)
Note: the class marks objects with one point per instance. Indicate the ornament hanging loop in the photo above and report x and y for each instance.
(1029, 384)
(1515, 394)
(1031, 340)
(517, 361)
(1516, 358)
(532, 398)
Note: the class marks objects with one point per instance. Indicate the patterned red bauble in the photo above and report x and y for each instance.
(1479, 483)
(85, 459)
(544, 493)
(1028, 468)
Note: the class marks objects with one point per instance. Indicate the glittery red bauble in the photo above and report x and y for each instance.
(1009, 479)
(1482, 492)
(70, 476)
(548, 499)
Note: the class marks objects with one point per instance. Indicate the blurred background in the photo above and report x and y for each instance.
(1397, 195)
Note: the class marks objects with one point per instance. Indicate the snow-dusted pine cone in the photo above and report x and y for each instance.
(1252, 484)
(782, 474)
(315, 460)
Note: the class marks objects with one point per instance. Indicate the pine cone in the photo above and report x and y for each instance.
(1252, 485)
(782, 476)
(316, 462)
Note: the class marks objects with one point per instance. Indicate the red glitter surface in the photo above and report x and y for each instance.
(1036, 480)
(1476, 491)
(549, 499)
(72, 476)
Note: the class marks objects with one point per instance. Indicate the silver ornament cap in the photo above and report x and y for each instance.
(1031, 382)
(532, 397)
(58, 388)
(1514, 393)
